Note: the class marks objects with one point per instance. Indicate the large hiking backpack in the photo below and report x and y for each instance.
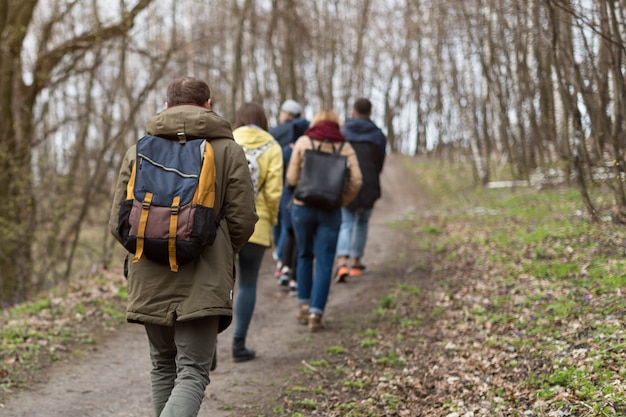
(252, 155)
(168, 214)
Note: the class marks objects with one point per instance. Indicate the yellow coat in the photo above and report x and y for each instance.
(270, 180)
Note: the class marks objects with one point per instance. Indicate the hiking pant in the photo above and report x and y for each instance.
(353, 232)
(250, 259)
(181, 358)
(316, 233)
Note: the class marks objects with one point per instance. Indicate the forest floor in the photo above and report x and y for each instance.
(110, 377)
(488, 303)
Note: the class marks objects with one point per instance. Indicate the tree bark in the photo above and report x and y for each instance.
(17, 102)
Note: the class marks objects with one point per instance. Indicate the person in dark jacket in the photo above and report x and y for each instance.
(283, 132)
(370, 144)
(286, 249)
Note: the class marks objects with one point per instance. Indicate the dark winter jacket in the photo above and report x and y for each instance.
(285, 198)
(300, 126)
(203, 287)
(369, 143)
(283, 133)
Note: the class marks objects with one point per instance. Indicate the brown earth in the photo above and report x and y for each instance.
(112, 380)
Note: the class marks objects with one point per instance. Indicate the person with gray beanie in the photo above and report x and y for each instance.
(291, 126)
(283, 132)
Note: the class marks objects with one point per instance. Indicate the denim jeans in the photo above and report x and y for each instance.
(250, 259)
(353, 232)
(316, 234)
(181, 359)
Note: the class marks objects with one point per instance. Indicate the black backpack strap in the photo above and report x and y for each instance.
(338, 150)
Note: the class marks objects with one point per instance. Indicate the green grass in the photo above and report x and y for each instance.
(335, 350)
(557, 279)
(54, 325)
(565, 268)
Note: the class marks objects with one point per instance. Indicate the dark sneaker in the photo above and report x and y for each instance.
(285, 276)
(293, 288)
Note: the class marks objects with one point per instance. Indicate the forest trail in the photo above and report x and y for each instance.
(112, 380)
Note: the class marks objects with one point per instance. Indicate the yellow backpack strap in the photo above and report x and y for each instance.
(130, 187)
(141, 230)
(205, 192)
(171, 240)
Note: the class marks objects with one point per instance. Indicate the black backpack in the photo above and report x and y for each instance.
(323, 178)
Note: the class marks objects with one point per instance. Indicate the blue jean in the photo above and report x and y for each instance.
(181, 359)
(316, 234)
(250, 259)
(353, 232)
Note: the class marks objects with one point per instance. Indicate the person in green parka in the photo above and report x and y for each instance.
(184, 311)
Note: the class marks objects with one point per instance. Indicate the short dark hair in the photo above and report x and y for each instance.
(363, 107)
(188, 90)
(250, 114)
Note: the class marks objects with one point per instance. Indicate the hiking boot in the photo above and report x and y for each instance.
(342, 274)
(240, 352)
(303, 314)
(357, 270)
(315, 322)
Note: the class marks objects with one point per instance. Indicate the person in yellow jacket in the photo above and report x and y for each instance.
(265, 157)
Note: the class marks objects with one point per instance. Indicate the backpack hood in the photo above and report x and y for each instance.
(192, 121)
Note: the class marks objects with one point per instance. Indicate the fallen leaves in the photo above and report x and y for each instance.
(51, 327)
(523, 332)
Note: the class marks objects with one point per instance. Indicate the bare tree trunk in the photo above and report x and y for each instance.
(617, 50)
(17, 102)
(237, 84)
(354, 84)
(563, 55)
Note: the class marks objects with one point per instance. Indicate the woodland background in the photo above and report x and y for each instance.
(514, 87)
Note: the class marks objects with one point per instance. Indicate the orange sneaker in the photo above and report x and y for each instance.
(342, 273)
(357, 270)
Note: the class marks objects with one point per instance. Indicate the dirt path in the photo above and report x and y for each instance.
(113, 380)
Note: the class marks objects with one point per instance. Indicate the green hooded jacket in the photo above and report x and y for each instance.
(203, 287)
